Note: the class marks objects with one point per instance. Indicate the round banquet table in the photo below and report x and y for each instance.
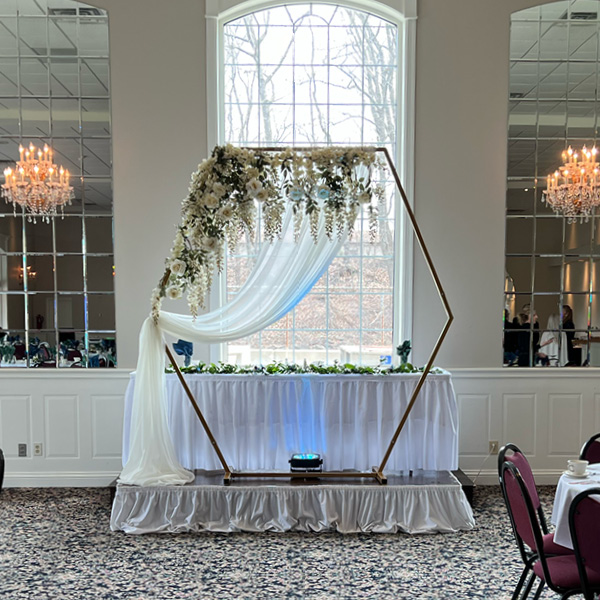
(568, 487)
(260, 420)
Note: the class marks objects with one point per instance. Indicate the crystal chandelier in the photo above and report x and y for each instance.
(574, 189)
(37, 184)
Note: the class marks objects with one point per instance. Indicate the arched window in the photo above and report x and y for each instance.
(320, 74)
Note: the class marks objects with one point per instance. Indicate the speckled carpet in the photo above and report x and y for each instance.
(56, 544)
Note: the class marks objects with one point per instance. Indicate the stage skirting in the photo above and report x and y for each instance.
(424, 503)
(260, 420)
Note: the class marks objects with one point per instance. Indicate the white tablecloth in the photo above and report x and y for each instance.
(567, 489)
(259, 421)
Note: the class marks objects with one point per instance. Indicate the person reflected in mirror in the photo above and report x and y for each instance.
(510, 340)
(568, 327)
(553, 345)
(529, 336)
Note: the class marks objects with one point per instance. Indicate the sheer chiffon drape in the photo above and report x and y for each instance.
(283, 274)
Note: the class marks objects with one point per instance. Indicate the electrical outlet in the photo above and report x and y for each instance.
(22, 450)
(494, 447)
(38, 450)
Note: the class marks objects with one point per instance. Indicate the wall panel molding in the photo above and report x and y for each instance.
(61, 426)
(519, 418)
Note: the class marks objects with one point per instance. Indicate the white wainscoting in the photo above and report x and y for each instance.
(548, 413)
(77, 417)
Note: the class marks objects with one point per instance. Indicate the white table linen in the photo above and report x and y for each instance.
(567, 489)
(259, 421)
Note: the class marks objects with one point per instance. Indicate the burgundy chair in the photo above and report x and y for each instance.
(519, 460)
(584, 524)
(559, 573)
(591, 450)
(526, 550)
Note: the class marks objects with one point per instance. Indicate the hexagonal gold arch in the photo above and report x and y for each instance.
(378, 471)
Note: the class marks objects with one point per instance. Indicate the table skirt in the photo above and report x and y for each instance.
(259, 421)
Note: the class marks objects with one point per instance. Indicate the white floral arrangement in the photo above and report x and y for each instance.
(230, 187)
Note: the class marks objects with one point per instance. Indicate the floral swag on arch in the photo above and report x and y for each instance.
(230, 187)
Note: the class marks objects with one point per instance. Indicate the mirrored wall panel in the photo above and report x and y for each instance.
(57, 305)
(552, 288)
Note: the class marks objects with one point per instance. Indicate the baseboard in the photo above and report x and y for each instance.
(490, 476)
(59, 479)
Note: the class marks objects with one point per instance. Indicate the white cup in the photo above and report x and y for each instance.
(577, 467)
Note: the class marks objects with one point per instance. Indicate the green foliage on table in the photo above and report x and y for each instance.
(281, 368)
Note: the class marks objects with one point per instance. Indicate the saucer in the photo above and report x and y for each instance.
(569, 474)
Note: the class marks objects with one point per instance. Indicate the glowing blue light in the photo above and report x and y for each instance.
(306, 456)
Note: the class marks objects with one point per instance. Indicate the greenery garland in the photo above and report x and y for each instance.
(280, 368)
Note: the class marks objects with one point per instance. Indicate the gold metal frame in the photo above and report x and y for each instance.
(377, 472)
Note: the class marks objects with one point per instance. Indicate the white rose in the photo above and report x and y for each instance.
(177, 267)
(210, 201)
(209, 243)
(261, 195)
(254, 186)
(219, 189)
(173, 292)
(226, 212)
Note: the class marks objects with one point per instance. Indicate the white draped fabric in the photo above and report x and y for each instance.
(283, 274)
(260, 420)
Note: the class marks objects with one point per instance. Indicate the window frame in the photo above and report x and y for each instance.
(403, 15)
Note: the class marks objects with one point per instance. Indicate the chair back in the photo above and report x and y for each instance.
(591, 450)
(584, 524)
(518, 459)
(520, 507)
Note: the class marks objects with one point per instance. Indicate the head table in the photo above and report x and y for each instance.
(260, 420)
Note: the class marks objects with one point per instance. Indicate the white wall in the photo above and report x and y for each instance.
(159, 137)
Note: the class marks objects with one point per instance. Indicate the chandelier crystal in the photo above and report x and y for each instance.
(37, 184)
(574, 189)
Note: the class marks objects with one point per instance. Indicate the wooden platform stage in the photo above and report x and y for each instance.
(427, 501)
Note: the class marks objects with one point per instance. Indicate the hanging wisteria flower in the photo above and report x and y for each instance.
(327, 186)
(174, 292)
